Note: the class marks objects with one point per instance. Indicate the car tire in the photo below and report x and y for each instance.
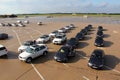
(45, 53)
(29, 60)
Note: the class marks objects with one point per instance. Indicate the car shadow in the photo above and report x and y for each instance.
(77, 57)
(106, 35)
(110, 62)
(10, 55)
(108, 43)
(82, 45)
(42, 59)
(87, 38)
(89, 33)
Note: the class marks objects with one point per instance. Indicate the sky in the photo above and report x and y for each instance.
(59, 6)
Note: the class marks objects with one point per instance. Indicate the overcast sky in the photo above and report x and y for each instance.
(54, 6)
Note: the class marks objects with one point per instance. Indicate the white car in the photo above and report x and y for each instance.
(54, 33)
(25, 45)
(59, 39)
(21, 25)
(43, 39)
(62, 30)
(26, 22)
(3, 50)
(67, 27)
(32, 52)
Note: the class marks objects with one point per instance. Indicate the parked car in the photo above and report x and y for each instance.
(64, 53)
(84, 31)
(79, 36)
(21, 25)
(3, 50)
(96, 59)
(67, 28)
(2, 24)
(3, 36)
(62, 30)
(8, 24)
(100, 33)
(59, 39)
(53, 34)
(73, 42)
(99, 42)
(32, 52)
(40, 23)
(90, 26)
(43, 39)
(72, 26)
(26, 22)
(100, 28)
(14, 24)
(25, 45)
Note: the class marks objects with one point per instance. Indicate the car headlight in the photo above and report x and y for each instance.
(89, 64)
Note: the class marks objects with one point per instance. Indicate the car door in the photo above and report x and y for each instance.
(41, 50)
(36, 53)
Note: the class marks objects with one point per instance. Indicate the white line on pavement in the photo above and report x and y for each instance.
(37, 72)
(115, 31)
(31, 63)
(36, 30)
(85, 78)
(65, 65)
(17, 37)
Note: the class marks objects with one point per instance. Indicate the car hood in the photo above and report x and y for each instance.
(24, 54)
(96, 61)
(57, 39)
(60, 55)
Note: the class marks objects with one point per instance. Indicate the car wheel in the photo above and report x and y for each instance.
(29, 60)
(45, 53)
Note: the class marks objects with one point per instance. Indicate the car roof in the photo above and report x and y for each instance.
(97, 52)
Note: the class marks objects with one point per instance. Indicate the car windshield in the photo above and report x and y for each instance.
(58, 36)
(30, 50)
(45, 36)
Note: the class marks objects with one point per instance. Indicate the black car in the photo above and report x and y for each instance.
(3, 36)
(90, 26)
(100, 28)
(100, 34)
(99, 42)
(84, 31)
(73, 42)
(96, 60)
(79, 36)
(64, 53)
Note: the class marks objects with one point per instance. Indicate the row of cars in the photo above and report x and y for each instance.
(68, 50)
(96, 60)
(32, 49)
(18, 23)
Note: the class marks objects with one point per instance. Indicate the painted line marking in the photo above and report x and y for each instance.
(65, 64)
(37, 72)
(112, 69)
(85, 78)
(115, 31)
(36, 31)
(31, 63)
(100, 48)
(17, 37)
(83, 56)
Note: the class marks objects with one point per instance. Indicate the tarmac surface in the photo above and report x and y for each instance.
(44, 67)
